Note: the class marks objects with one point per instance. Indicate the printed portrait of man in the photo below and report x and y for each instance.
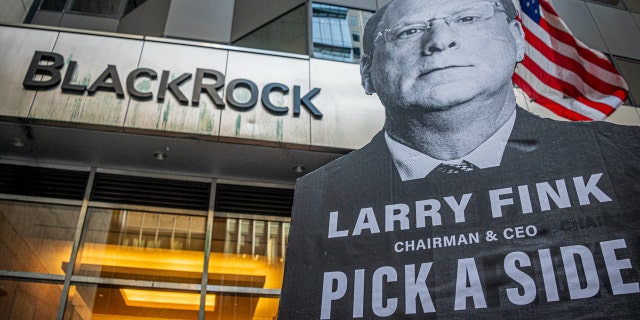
(465, 205)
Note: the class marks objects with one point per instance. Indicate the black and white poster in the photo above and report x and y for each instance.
(465, 205)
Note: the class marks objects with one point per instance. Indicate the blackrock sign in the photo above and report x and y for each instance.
(44, 72)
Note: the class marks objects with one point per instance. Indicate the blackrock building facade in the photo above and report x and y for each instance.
(149, 149)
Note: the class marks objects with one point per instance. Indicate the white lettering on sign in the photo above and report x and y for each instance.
(429, 212)
(578, 265)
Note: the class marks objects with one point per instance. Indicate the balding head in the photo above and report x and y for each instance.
(436, 54)
(371, 29)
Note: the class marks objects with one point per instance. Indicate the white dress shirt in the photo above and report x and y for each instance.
(412, 164)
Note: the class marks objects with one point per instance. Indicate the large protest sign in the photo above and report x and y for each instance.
(553, 231)
(525, 217)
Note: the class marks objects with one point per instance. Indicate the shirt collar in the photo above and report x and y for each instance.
(412, 164)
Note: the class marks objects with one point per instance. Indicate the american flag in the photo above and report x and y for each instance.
(561, 73)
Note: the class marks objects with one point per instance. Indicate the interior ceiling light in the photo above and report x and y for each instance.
(298, 169)
(159, 261)
(166, 299)
(160, 155)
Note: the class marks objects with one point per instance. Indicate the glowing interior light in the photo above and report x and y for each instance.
(166, 299)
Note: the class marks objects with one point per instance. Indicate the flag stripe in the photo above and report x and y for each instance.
(565, 87)
(541, 90)
(561, 73)
(553, 106)
(585, 83)
(561, 53)
(559, 30)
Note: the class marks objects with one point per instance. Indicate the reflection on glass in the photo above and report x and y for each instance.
(28, 300)
(633, 5)
(630, 70)
(140, 245)
(337, 32)
(53, 5)
(98, 302)
(616, 3)
(248, 253)
(133, 4)
(36, 237)
(103, 7)
(286, 33)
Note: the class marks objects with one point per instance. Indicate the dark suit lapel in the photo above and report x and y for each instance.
(525, 138)
(377, 164)
(378, 157)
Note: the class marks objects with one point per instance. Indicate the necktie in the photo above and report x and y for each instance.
(449, 168)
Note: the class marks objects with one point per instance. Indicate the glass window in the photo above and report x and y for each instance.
(336, 32)
(287, 33)
(53, 5)
(615, 3)
(36, 237)
(242, 306)
(139, 245)
(102, 7)
(28, 300)
(633, 5)
(109, 302)
(132, 4)
(249, 253)
(630, 70)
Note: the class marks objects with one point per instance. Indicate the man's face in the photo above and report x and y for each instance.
(452, 63)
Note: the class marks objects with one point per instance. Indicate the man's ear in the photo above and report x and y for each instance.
(365, 74)
(518, 36)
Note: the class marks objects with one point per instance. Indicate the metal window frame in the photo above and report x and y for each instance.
(69, 279)
(352, 59)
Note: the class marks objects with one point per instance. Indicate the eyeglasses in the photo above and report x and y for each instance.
(461, 18)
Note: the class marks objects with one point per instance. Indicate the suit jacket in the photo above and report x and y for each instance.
(553, 231)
